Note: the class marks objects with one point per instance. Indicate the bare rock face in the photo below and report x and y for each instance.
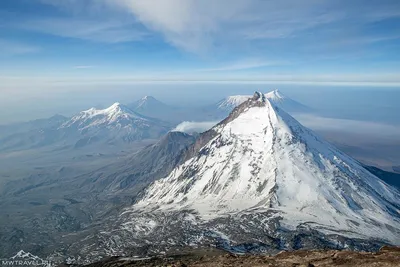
(386, 257)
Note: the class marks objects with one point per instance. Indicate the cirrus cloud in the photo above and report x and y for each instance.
(196, 25)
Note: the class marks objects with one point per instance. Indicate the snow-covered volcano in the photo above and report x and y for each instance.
(117, 115)
(260, 160)
(113, 123)
(152, 107)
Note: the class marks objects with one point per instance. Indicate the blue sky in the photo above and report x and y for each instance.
(61, 56)
(46, 42)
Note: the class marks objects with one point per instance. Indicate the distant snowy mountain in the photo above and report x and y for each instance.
(149, 106)
(226, 105)
(260, 181)
(287, 104)
(229, 103)
(114, 123)
(117, 115)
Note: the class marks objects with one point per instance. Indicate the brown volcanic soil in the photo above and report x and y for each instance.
(387, 256)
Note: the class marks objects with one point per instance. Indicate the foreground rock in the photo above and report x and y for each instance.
(386, 256)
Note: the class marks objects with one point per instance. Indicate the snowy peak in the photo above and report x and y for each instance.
(115, 107)
(118, 109)
(151, 107)
(260, 159)
(113, 124)
(275, 95)
(147, 101)
(286, 103)
(257, 100)
(115, 114)
(231, 102)
(113, 110)
(146, 104)
(150, 99)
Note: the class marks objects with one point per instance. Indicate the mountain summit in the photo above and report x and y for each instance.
(147, 102)
(115, 114)
(150, 106)
(226, 105)
(260, 160)
(230, 102)
(275, 95)
(286, 103)
(115, 123)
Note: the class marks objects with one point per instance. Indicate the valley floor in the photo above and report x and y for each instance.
(387, 256)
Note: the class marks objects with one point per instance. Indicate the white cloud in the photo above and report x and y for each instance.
(192, 126)
(106, 31)
(200, 25)
(188, 24)
(367, 129)
(196, 25)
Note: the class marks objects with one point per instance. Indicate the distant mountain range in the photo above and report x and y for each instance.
(147, 118)
(152, 107)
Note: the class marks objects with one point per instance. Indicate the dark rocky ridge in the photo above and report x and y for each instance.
(385, 257)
